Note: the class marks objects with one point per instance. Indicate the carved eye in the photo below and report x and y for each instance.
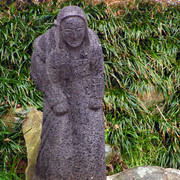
(68, 31)
(79, 29)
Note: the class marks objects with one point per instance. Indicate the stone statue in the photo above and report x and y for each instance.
(67, 67)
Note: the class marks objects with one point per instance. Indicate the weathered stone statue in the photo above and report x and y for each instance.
(67, 67)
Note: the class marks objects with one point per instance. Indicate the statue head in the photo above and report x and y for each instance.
(73, 31)
(71, 25)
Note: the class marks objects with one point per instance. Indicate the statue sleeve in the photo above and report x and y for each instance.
(97, 74)
(53, 75)
(39, 72)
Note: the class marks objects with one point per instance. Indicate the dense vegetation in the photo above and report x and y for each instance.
(141, 45)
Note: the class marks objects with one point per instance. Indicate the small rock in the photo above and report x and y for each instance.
(32, 131)
(172, 174)
(147, 173)
(108, 153)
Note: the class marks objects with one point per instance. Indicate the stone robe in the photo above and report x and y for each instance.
(72, 143)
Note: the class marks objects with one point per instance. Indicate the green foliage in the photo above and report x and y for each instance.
(141, 45)
(144, 60)
(12, 150)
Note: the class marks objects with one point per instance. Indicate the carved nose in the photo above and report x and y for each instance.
(74, 35)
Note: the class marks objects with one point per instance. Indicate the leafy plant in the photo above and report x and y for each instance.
(141, 46)
(12, 151)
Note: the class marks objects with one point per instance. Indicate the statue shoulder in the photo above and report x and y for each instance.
(45, 42)
(95, 43)
(93, 38)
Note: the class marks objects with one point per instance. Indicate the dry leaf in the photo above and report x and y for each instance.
(7, 140)
(110, 166)
(116, 126)
(123, 165)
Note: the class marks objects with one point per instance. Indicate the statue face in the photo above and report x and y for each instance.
(73, 31)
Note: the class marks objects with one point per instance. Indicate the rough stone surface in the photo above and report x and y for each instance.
(172, 174)
(109, 153)
(31, 130)
(147, 173)
(31, 127)
(67, 67)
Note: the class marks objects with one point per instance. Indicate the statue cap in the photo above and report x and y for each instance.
(70, 11)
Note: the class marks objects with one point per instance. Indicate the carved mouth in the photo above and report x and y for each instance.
(75, 43)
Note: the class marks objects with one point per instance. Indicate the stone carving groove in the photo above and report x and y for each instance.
(68, 68)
